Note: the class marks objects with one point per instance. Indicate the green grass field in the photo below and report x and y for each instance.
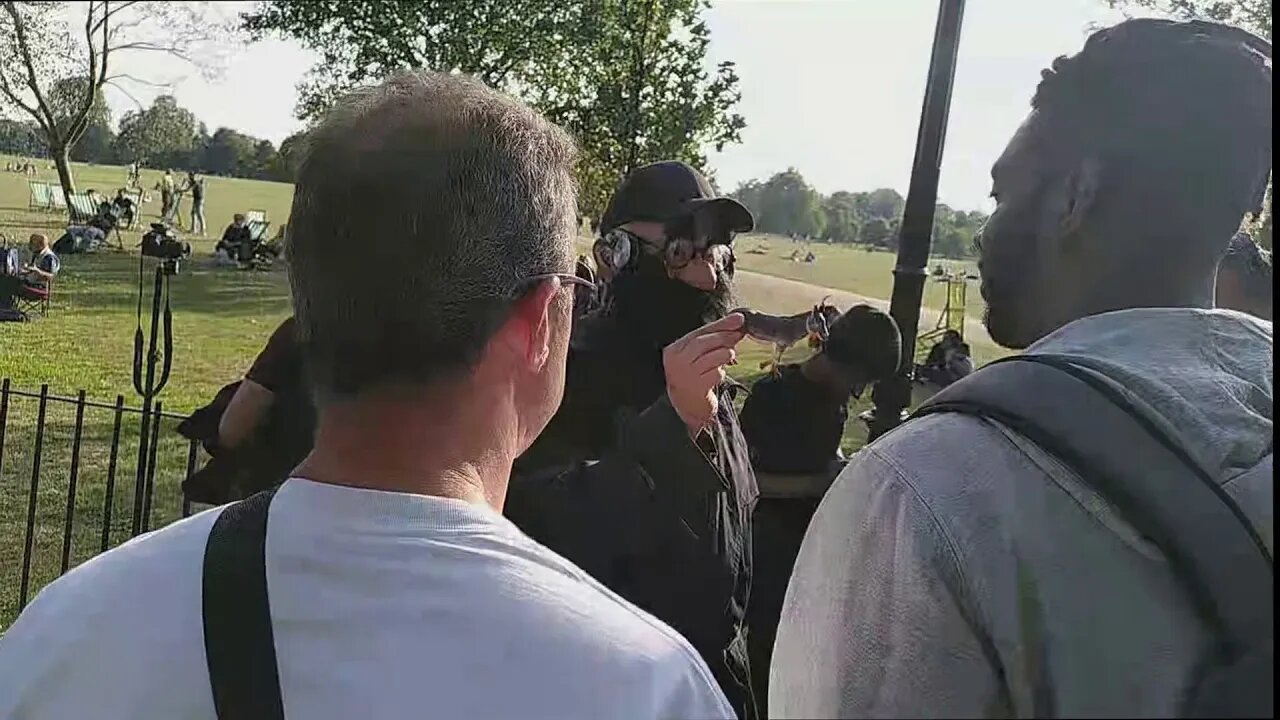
(222, 317)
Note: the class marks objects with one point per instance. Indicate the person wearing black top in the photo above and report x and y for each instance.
(256, 430)
(195, 185)
(674, 538)
(793, 423)
(237, 242)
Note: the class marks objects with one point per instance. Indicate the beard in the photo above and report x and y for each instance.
(660, 309)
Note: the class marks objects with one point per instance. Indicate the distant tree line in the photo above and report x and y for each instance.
(163, 136)
(786, 205)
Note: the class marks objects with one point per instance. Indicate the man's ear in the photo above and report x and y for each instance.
(1079, 193)
(528, 330)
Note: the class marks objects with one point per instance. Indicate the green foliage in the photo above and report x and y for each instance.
(21, 138)
(229, 152)
(626, 78)
(785, 204)
(163, 135)
(1252, 15)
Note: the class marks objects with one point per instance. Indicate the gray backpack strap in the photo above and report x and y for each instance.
(1126, 452)
(239, 645)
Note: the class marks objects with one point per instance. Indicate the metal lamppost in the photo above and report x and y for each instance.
(893, 396)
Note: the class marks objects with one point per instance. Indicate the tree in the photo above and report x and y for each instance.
(1252, 15)
(96, 142)
(842, 217)
(784, 204)
(20, 138)
(290, 154)
(626, 77)
(48, 42)
(877, 232)
(884, 203)
(229, 153)
(164, 135)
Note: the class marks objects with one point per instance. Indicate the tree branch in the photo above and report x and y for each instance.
(50, 124)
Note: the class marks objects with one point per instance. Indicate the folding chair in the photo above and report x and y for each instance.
(34, 301)
(253, 216)
(82, 209)
(41, 195)
(258, 230)
(59, 198)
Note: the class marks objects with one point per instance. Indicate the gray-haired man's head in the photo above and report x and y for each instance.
(422, 207)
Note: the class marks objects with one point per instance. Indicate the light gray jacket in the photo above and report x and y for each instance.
(954, 569)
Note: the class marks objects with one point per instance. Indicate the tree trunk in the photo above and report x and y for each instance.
(63, 163)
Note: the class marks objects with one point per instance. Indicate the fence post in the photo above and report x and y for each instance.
(149, 486)
(193, 448)
(111, 473)
(31, 500)
(4, 421)
(71, 483)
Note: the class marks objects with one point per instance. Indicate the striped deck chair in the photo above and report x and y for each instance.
(41, 195)
(82, 209)
(58, 197)
(254, 216)
(258, 230)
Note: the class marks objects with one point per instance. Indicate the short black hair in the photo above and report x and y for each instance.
(1178, 113)
(866, 340)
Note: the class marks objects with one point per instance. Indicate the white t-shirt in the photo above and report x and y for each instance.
(383, 605)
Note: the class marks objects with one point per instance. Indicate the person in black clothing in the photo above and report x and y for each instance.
(793, 422)
(678, 543)
(258, 429)
(949, 360)
(236, 242)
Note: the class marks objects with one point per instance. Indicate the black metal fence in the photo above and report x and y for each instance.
(78, 477)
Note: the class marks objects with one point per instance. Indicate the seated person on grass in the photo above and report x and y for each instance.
(33, 281)
(236, 241)
(793, 421)
(948, 361)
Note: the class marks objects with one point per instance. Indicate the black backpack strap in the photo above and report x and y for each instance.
(238, 643)
(1130, 455)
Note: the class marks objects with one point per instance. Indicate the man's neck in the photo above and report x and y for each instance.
(408, 446)
(818, 370)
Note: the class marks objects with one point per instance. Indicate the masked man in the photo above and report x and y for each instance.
(681, 548)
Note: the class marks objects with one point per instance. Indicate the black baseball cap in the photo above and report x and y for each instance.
(668, 190)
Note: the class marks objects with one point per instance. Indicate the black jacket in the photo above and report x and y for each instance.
(616, 486)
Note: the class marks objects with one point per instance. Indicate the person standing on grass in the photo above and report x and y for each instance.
(957, 568)
(168, 196)
(390, 585)
(676, 539)
(195, 185)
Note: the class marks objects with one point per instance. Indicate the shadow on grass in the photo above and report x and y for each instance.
(109, 283)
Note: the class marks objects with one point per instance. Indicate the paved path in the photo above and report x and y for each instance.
(785, 295)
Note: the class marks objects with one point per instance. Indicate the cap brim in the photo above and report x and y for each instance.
(735, 216)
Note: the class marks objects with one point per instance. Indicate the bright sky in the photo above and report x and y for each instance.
(831, 87)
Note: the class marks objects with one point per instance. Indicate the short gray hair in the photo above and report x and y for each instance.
(421, 205)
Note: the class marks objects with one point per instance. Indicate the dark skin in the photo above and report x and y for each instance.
(838, 381)
(1055, 250)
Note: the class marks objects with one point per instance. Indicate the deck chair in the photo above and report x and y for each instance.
(82, 209)
(41, 195)
(258, 231)
(253, 216)
(59, 198)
